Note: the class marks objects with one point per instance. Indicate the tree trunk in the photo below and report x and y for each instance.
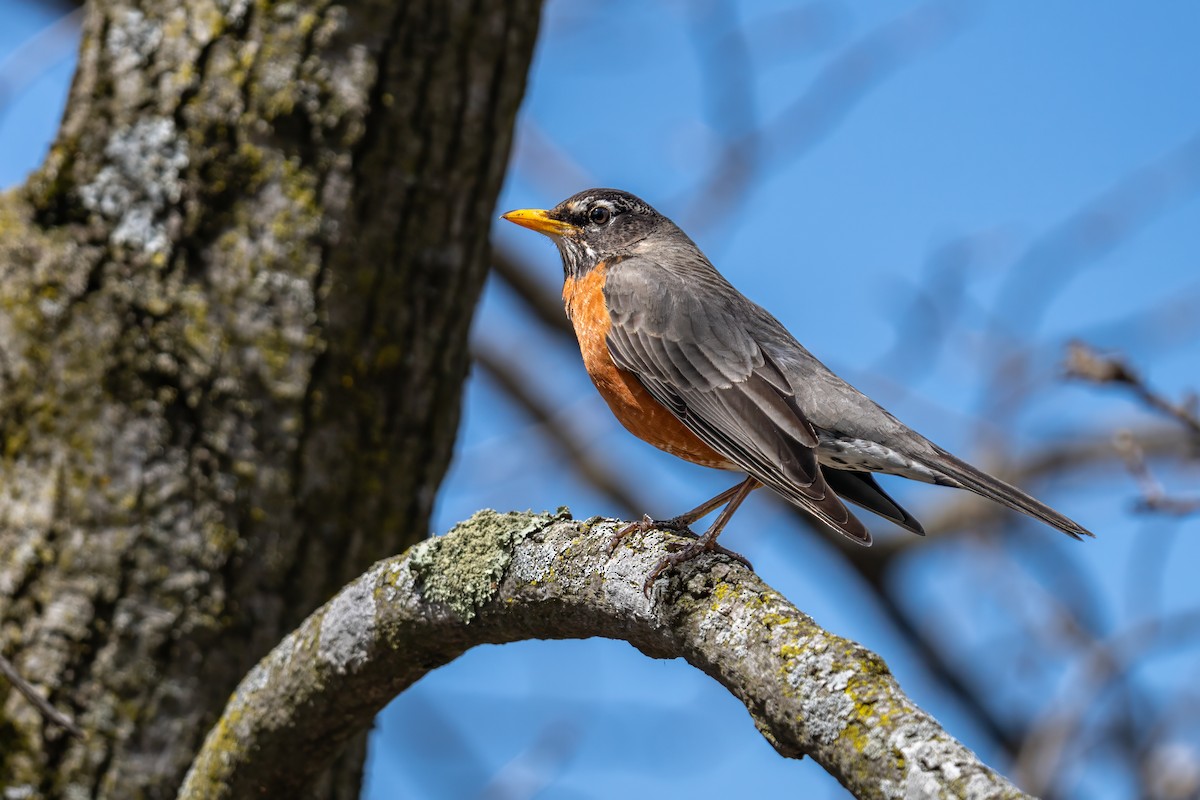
(233, 314)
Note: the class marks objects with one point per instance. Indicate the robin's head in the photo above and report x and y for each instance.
(594, 226)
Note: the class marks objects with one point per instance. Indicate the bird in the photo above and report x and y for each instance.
(690, 365)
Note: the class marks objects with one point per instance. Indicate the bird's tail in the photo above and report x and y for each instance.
(991, 487)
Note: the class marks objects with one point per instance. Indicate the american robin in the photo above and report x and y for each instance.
(690, 365)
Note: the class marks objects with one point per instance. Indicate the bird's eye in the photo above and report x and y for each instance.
(599, 215)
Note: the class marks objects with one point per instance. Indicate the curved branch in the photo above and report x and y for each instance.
(505, 577)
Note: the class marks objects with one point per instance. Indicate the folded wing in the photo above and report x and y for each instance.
(690, 353)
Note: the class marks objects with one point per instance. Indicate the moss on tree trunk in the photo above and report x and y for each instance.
(233, 314)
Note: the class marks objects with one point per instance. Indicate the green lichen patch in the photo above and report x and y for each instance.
(463, 569)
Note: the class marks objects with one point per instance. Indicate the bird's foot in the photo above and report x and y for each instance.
(687, 553)
(647, 524)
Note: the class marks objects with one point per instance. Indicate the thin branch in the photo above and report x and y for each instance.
(43, 706)
(1154, 497)
(1086, 363)
(1106, 664)
(507, 577)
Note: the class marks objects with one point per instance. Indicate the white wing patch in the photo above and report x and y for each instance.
(846, 453)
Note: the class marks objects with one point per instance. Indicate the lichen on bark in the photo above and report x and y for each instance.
(809, 691)
(233, 313)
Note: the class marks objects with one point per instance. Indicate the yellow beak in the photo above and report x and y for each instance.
(537, 219)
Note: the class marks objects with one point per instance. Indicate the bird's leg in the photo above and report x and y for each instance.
(678, 524)
(707, 542)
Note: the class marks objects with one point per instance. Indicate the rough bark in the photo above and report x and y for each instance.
(233, 314)
(504, 577)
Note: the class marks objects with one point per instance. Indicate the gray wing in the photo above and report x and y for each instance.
(684, 334)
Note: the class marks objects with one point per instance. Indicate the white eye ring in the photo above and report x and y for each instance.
(599, 215)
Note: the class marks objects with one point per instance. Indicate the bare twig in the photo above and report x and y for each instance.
(1154, 497)
(1107, 663)
(43, 706)
(1085, 362)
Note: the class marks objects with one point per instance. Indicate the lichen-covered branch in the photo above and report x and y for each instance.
(505, 577)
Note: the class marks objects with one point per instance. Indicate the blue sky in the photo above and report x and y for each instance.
(997, 125)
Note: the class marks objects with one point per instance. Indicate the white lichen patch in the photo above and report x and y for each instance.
(730, 634)
(139, 183)
(131, 39)
(824, 702)
(392, 579)
(349, 81)
(348, 627)
(934, 762)
(234, 10)
(536, 565)
(67, 614)
(27, 496)
(19, 562)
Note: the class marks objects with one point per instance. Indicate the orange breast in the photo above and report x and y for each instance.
(640, 413)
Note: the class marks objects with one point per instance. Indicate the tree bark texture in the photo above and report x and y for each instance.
(234, 305)
(504, 577)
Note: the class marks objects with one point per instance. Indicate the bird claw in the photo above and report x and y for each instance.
(680, 553)
(615, 540)
(645, 525)
(684, 554)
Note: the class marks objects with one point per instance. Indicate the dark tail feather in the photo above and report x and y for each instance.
(833, 512)
(993, 488)
(861, 489)
(822, 502)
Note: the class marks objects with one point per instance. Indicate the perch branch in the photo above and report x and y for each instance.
(506, 577)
